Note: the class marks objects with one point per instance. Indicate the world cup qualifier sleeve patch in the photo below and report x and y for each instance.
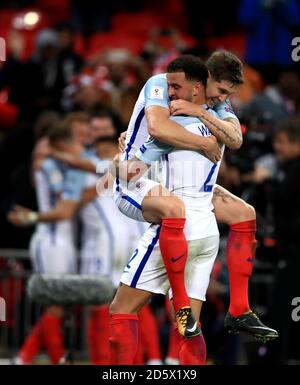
(157, 92)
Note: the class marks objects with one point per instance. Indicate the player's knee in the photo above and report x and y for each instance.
(121, 307)
(248, 212)
(173, 208)
(244, 212)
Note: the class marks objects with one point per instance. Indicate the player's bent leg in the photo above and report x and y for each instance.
(161, 206)
(123, 338)
(240, 254)
(159, 203)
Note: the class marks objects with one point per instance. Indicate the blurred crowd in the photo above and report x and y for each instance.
(94, 58)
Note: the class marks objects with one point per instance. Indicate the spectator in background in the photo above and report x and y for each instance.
(83, 94)
(286, 209)
(276, 102)
(271, 25)
(33, 84)
(126, 74)
(278, 177)
(37, 84)
(90, 17)
(70, 62)
(214, 23)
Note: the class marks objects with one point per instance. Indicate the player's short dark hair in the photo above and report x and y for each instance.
(101, 112)
(192, 66)
(224, 65)
(107, 139)
(60, 131)
(291, 127)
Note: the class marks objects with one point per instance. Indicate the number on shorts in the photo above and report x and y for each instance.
(132, 258)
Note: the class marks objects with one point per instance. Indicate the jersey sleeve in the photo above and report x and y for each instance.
(156, 92)
(74, 185)
(53, 174)
(152, 151)
(225, 111)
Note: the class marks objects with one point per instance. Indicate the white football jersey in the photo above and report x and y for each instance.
(50, 184)
(188, 174)
(108, 236)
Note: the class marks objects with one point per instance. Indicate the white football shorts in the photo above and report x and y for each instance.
(52, 255)
(145, 269)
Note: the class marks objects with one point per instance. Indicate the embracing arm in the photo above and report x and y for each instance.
(163, 129)
(227, 131)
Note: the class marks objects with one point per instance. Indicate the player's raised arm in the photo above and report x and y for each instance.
(160, 127)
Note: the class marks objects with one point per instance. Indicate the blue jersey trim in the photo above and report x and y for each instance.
(127, 197)
(52, 225)
(39, 260)
(135, 131)
(108, 227)
(132, 201)
(168, 171)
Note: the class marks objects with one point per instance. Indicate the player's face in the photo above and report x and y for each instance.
(217, 92)
(179, 87)
(101, 127)
(107, 150)
(81, 132)
(69, 147)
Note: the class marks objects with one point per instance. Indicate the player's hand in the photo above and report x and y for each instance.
(184, 107)
(121, 140)
(22, 216)
(115, 165)
(212, 149)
